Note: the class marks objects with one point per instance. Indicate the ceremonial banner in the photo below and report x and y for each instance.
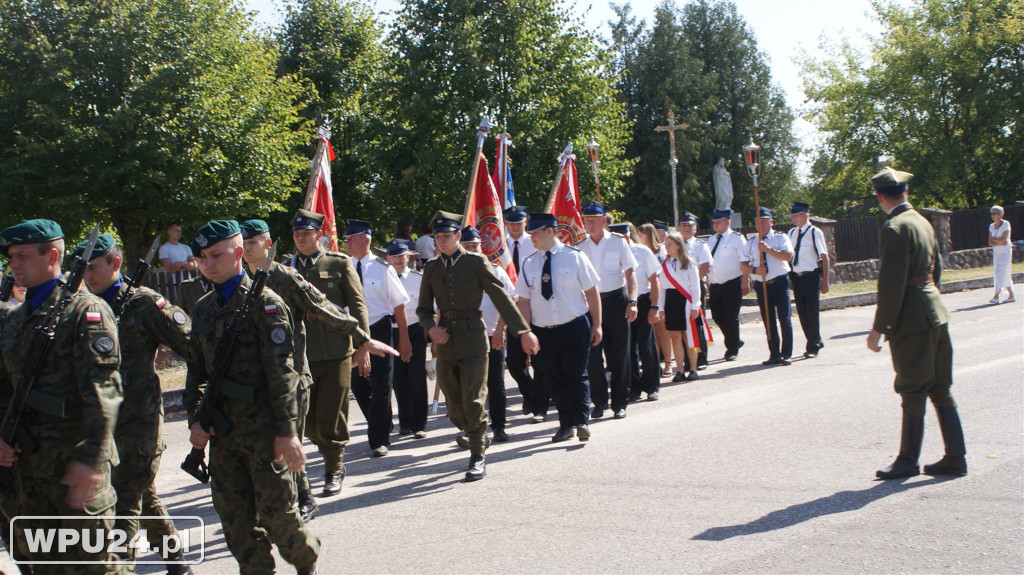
(486, 215)
(566, 204)
(319, 193)
(502, 175)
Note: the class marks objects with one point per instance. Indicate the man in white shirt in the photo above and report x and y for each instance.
(728, 284)
(611, 257)
(643, 352)
(810, 274)
(557, 290)
(385, 298)
(174, 255)
(531, 387)
(770, 253)
(410, 378)
(701, 254)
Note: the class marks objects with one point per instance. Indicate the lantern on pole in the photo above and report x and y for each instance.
(752, 157)
(592, 151)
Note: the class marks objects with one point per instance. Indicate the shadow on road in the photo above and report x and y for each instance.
(974, 307)
(840, 502)
(851, 334)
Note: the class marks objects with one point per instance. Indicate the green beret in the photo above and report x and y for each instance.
(30, 232)
(103, 244)
(890, 181)
(307, 220)
(252, 228)
(213, 232)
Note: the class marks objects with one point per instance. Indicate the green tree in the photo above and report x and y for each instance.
(139, 112)
(941, 96)
(531, 65)
(701, 62)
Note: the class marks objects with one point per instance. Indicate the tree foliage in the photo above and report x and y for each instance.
(139, 112)
(700, 61)
(530, 65)
(941, 96)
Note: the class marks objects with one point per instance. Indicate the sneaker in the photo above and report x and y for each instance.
(652, 396)
(679, 377)
(538, 418)
(420, 434)
(1010, 300)
(995, 300)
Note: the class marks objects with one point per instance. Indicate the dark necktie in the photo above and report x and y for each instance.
(359, 270)
(799, 238)
(515, 256)
(715, 249)
(545, 277)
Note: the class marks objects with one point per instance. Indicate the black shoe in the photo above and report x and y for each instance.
(526, 409)
(332, 483)
(308, 507)
(633, 398)
(731, 356)
(955, 466)
(500, 436)
(702, 366)
(786, 361)
(899, 469)
(175, 568)
(420, 434)
(380, 451)
(772, 361)
(620, 413)
(404, 431)
(583, 432)
(477, 469)
(652, 396)
(679, 377)
(563, 434)
(597, 413)
(810, 354)
(694, 376)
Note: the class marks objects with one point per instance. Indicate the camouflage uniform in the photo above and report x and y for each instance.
(259, 398)
(81, 372)
(329, 351)
(189, 292)
(147, 321)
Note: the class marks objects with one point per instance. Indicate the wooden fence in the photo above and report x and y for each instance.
(167, 282)
(857, 239)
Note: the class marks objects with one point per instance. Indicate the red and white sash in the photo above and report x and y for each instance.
(689, 298)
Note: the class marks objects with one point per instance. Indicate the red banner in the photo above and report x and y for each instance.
(486, 215)
(566, 207)
(323, 197)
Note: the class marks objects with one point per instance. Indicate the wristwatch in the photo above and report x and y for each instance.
(632, 301)
(655, 308)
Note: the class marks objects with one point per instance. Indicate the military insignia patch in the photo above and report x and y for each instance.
(179, 318)
(278, 335)
(104, 344)
(160, 303)
(93, 317)
(270, 309)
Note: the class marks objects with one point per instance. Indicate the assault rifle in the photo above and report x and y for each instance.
(208, 414)
(134, 281)
(11, 428)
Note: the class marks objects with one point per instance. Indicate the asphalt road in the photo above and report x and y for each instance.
(749, 470)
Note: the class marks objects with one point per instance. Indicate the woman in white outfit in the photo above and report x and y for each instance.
(679, 312)
(1002, 254)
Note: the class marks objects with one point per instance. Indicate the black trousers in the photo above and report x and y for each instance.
(778, 309)
(643, 351)
(373, 394)
(564, 351)
(616, 352)
(533, 388)
(410, 382)
(806, 294)
(496, 398)
(724, 301)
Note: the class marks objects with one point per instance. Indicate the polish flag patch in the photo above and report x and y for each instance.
(160, 303)
(270, 309)
(93, 317)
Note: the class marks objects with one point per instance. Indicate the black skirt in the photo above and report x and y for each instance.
(675, 311)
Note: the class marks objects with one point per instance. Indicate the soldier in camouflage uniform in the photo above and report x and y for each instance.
(330, 351)
(189, 292)
(73, 405)
(147, 321)
(251, 464)
(302, 298)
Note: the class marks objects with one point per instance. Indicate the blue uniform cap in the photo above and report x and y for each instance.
(660, 225)
(214, 232)
(541, 221)
(470, 235)
(593, 208)
(721, 215)
(765, 213)
(619, 229)
(253, 228)
(307, 220)
(799, 208)
(687, 218)
(398, 247)
(515, 214)
(356, 227)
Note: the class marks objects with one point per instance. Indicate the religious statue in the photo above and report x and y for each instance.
(723, 186)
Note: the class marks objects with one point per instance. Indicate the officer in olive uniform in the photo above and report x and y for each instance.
(147, 321)
(910, 314)
(252, 488)
(456, 281)
(330, 351)
(302, 298)
(73, 405)
(189, 292)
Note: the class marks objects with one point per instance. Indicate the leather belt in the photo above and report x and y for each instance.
(771, 281)
(461, 314)
(814, 271)
(919, 280)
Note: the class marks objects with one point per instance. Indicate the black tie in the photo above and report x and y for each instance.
(545, 277)
(715, 249)
(515, 256)
(359, 270)
(799, 238)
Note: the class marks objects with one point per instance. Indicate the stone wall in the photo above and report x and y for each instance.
(964, 259)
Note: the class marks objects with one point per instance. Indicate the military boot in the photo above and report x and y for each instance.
(954, 462)
(910, 450)
(177, 568)
(477, 468)
(308, 507)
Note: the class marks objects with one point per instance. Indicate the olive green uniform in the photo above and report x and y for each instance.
(259, 399)
(189, 292)
(304, 299)
(329, 351)
(81, 372)
(462, 361)
(148, 320)
(912, 317)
